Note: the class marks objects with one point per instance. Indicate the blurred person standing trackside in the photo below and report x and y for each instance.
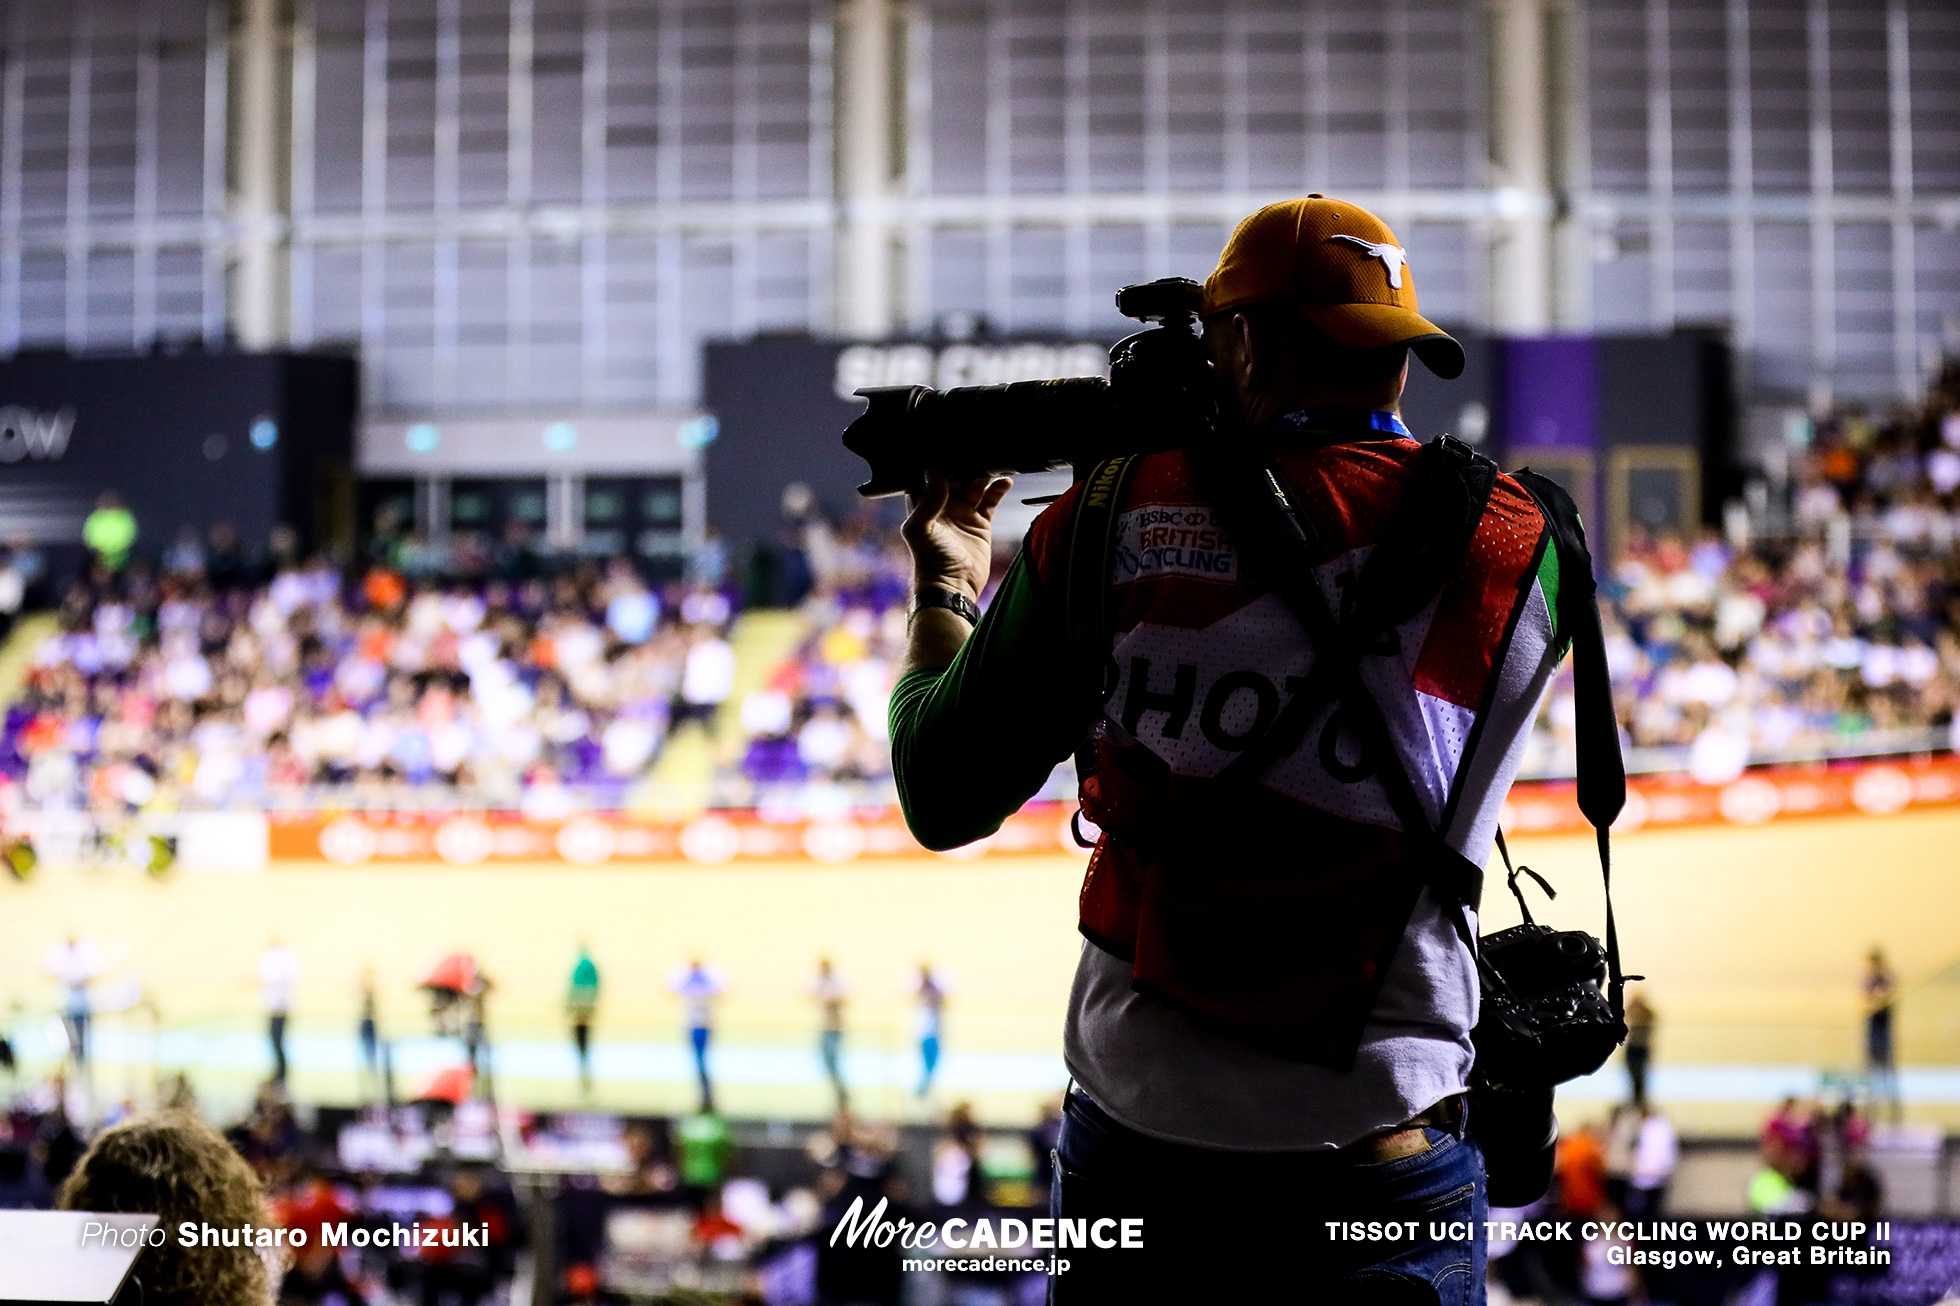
(930, 991)
(1214, 1050)
(74, 963)
(698, 988)
(581, 1005)
(369, 1033)
(278, 974)
(1622, 1133)
(830, 991)
(1881, 989)
(1639, 1046)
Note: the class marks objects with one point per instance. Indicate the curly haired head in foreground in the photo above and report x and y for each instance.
(175, 1166)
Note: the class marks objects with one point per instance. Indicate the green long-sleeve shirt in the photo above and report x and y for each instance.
(973, 742)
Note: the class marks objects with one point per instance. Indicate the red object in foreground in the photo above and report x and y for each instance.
(452, 1085)
(455, 973)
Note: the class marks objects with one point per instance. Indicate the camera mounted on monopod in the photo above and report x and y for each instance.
(1158, 396)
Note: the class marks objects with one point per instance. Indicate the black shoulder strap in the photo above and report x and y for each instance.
(1602, 773)
(1426, 537)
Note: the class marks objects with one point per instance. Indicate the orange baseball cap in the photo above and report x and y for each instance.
(1342, 266)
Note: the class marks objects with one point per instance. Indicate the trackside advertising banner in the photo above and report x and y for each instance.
(714, 838)
(247, 841)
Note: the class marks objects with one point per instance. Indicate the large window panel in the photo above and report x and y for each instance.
(959, 272)
(958, 86)
(1860, 121)
(1037, 279)
(1698, 95)
(1779, 95)
(1195, 112)
(1704, 274)
(1934, 73)
(1622, 278)
(1862, 309)
(1616, 94)
(1783, 358)
(411, 82)
(1116, 108)
(338, 55)
(1035, 89)
(1441, 256)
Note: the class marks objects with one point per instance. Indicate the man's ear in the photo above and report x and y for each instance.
(1251, 364)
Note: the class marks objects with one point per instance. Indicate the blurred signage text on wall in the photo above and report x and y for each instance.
(25, 433)
(945, 366)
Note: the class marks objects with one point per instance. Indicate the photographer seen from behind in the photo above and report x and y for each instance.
(1270, 1025)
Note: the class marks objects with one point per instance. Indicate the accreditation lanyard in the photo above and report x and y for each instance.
(1343, 421)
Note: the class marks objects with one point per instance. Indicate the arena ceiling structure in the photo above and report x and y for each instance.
(548, 205)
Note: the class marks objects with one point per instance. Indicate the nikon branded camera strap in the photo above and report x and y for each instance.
(1092, 539)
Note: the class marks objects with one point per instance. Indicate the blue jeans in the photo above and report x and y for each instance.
(1236, 1226)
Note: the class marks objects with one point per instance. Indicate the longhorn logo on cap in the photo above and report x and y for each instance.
(1391, 256)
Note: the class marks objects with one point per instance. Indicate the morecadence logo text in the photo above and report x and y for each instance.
(861, 1228)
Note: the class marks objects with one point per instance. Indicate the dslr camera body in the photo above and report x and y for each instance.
(1158, 396)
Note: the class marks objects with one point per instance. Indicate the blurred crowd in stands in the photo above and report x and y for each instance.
(233, 689)
(210, 677)
(1822, 620)
(1827, 627)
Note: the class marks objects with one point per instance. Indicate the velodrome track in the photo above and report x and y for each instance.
(1753, 938)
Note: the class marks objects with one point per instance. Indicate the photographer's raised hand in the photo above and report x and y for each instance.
(950, 532)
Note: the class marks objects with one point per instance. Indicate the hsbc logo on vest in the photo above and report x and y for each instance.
(1172, 540)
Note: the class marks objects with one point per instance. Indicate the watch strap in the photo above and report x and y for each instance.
(934, 596)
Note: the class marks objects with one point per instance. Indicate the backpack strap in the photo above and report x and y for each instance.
(1602, 772)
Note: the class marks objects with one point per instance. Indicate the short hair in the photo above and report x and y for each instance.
(176, 1167)
(1325, 358)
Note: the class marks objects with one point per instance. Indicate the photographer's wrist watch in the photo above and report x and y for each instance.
(937, 596)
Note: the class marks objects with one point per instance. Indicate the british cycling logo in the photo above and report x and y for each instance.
(859, 1228)
(1162, 539)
